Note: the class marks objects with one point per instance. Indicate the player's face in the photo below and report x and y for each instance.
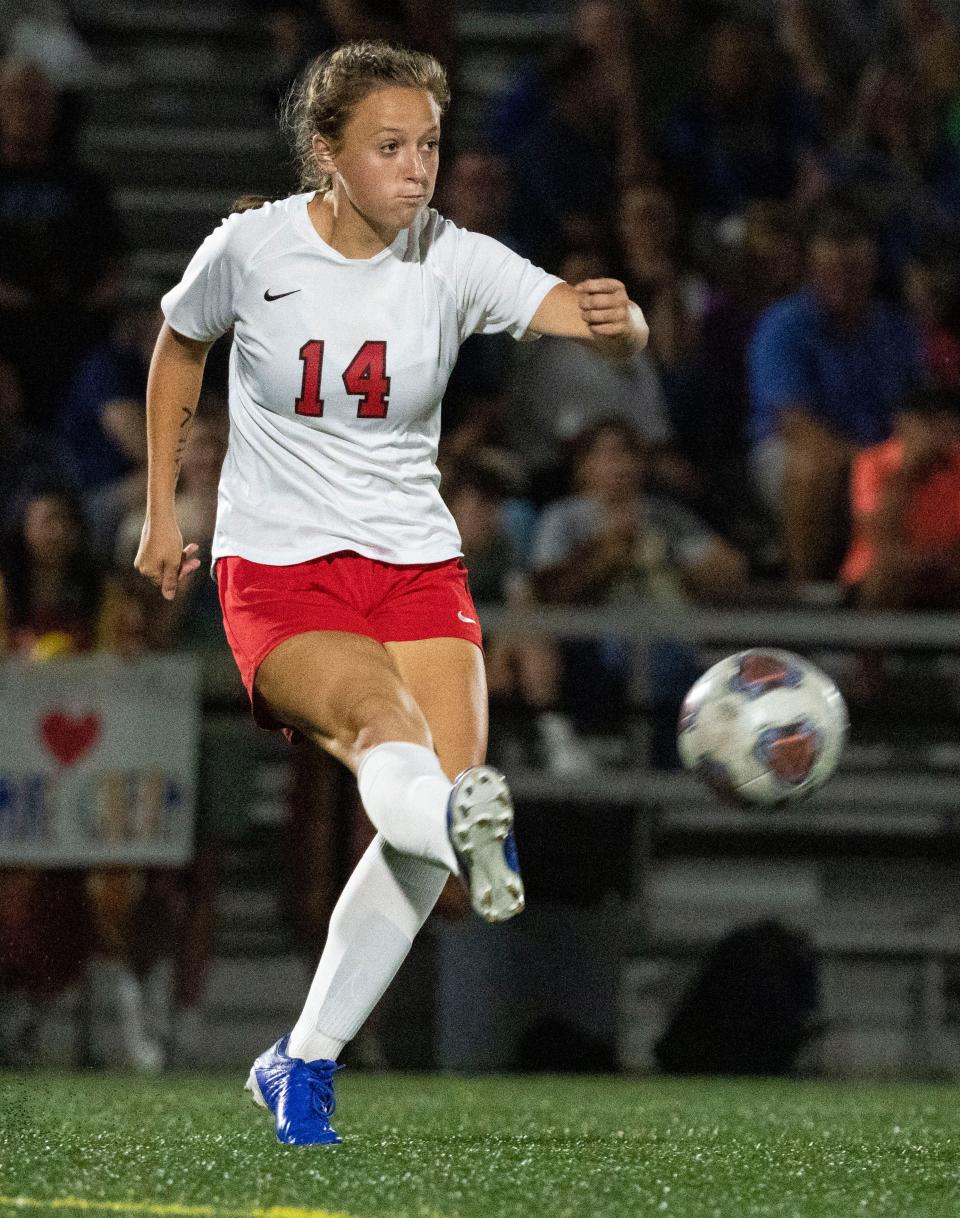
(388, 157)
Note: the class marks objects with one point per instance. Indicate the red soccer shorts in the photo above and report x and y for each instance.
(263, 605)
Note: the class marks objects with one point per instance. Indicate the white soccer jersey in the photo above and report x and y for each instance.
(337, 372)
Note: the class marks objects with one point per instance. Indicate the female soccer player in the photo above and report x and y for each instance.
(344, 598)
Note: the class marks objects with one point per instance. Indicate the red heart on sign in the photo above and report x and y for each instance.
(68, 737)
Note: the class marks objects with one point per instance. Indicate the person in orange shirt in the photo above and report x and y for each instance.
(905, 498)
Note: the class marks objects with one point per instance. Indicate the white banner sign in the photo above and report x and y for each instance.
(98, 760)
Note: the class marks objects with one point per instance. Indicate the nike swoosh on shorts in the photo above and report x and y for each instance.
(463, 618)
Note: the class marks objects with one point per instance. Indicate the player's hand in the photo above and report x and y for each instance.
(163, 558)
(608, 311)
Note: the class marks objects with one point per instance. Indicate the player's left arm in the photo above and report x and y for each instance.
(596, 311)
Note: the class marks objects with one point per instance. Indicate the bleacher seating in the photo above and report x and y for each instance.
(867, 867)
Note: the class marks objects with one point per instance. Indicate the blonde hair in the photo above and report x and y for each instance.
(329, 88)
(249, 203)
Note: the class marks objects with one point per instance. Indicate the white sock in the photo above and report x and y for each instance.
(405, 793)
(378, 915)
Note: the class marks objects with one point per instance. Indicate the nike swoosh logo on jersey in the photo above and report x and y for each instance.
(280, 295)
(463, 618)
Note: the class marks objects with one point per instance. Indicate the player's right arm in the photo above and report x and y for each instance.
(173, 391)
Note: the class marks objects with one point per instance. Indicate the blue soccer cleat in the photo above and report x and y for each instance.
(298, 1093)
(480, 824)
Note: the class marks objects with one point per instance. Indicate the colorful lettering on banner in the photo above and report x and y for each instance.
(133, 806)
(24, 808)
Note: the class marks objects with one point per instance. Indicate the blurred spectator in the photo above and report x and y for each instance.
(118, 920)
(523, 671)
(43, 32)
(424, 25)
(194, 619)
(476, 195)
(46, 936)
(820, 65)
(673, 298)
(707, 377)
(561, 387)
(932, 292)
(905, 497)
(613, 544)
(103, 418)
(60, 245)
(738, 136)
(104, 421)
(878, 163)
(56, 602)
(936, 65)
(603, 28)
(298, 30)
(477, 503)
(573, 142)
(27, 457)
(50, 583)
(648, 229)
(836, 38)
(664, 46)
(827, 367)
(596, 64)
(143, 915)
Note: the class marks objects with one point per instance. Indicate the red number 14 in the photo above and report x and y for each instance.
(366, 377)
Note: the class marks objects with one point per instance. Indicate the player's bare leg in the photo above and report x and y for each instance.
(348, 695)
(376, 709)
(448, 681)
(343, 692)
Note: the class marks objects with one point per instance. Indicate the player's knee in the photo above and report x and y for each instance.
(378, 716)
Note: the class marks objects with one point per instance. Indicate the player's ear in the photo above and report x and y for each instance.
(323, 151)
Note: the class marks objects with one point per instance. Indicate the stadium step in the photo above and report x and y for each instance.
(158, 17)
(186, 103)
(186, 114)
(229, 160)
(171, 219)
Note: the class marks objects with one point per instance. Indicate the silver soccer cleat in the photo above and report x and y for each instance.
(480, 824)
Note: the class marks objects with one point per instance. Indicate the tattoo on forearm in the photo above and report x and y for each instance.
(186, 418)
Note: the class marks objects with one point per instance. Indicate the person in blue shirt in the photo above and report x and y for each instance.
(827, 366)
(103, 420)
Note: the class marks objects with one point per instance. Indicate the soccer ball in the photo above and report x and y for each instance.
(763, 727)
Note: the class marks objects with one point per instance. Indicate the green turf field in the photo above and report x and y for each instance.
(193, 1147)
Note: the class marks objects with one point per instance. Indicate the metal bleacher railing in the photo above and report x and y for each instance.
(889, 800)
